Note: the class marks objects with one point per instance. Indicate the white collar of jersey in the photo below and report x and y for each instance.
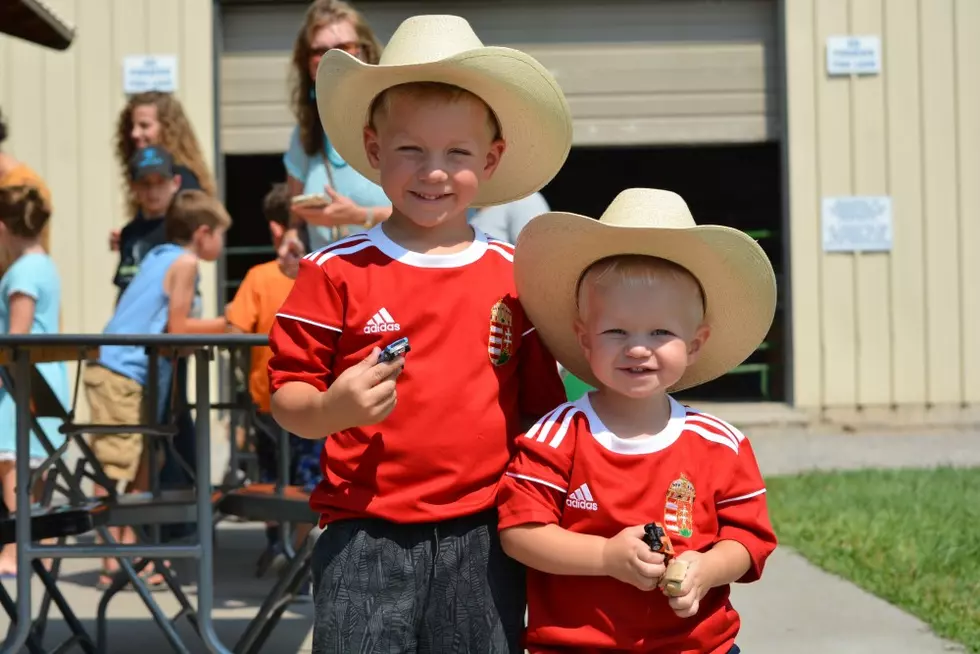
(654, 443)
(465, 257)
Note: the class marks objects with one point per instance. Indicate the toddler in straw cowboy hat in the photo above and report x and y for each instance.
(411, 559)
(639, 303)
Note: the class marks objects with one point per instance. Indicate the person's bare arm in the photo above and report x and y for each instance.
(725, 563)
(22, 308)
(363, 394)
(554, 550)
(303, 410)
(295, 187)
(179, 284)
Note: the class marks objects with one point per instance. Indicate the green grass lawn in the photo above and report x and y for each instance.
(911, 537)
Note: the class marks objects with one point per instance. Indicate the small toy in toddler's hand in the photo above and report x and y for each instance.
(656, 537)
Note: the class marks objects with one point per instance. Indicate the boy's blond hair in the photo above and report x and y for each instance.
(447, 93)
(634, 270)
(190, 210)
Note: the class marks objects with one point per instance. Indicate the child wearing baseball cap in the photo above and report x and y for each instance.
(634, 513)
(410, 559)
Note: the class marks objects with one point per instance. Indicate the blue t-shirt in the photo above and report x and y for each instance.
(312, 171)
(144, 308)
(36, 276)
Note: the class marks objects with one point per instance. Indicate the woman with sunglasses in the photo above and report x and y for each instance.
(312, 165)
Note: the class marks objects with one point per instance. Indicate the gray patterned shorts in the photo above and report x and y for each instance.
(432, 588)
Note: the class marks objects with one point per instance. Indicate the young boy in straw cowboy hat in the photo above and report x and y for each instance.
(640, 303)
(411, 559)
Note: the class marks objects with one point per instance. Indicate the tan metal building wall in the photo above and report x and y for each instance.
(635, 72)
(902, 328)
(61, 109)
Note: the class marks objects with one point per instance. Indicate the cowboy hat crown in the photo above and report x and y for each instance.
(525, 98)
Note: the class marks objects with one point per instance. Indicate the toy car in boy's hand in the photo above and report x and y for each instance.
(656, 537)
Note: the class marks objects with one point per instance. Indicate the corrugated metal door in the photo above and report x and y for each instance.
(636, 72)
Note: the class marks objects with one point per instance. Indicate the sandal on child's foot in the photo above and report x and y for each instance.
(153, 580)
(106, 577)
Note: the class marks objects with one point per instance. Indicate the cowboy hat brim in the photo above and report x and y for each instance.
(534, 116)
(554, 250)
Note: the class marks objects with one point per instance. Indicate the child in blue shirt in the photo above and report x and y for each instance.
(30, 303)
(160, 298)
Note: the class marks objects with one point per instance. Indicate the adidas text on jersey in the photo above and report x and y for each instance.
(381, 321)
(581, 498)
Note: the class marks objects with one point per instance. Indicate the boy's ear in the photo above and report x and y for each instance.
(372, 147)
(177, 181)
(494, 154)
(276, 230)
(701, 335)
(582, 334)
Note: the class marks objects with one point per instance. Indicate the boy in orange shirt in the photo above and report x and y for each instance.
(253, 311)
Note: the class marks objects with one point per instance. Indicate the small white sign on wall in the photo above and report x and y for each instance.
(853, 55)
(857, 224)
(143, 73)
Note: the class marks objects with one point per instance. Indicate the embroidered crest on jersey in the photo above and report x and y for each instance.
(501, 343)
(679, 508)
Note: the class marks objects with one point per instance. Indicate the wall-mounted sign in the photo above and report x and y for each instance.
(853, 55)
(857, 224)
(143, 73)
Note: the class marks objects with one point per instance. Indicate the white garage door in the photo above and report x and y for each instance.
(635, 71)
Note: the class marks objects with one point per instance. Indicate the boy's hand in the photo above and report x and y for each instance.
(367, 389)
(686, 603)
(628, 558)
(114, 240)
(290, 251)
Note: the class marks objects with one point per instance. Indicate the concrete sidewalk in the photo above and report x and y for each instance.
(796, 608)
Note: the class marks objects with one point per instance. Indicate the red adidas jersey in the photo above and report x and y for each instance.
(475, 368)
(697, 477)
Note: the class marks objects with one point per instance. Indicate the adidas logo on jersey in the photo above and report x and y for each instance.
(381, 322)
(581, 498)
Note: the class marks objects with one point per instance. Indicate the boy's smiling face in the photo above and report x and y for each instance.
(640, 338)
(433, 153)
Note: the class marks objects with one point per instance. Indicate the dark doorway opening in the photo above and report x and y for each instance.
(734, 185)
(248, 243)
(737, 185)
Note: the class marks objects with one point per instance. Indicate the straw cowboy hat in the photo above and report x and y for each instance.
(555, 249)
(534, 117)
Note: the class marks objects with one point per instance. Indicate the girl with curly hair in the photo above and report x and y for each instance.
(313, 166)
(153, 118)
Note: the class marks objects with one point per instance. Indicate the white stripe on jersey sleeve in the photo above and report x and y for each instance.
(538, 481)
(351, 248)
(309, 322)
(717, 423)
(711, 436)
(741, 497)
(336, 244)
(501, 251)
(543, 428)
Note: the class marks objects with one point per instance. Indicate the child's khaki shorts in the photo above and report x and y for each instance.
(115, 400)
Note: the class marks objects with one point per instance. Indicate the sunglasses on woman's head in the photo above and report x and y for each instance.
(351, 48)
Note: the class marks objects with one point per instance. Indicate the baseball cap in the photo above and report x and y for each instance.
(151, 160)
